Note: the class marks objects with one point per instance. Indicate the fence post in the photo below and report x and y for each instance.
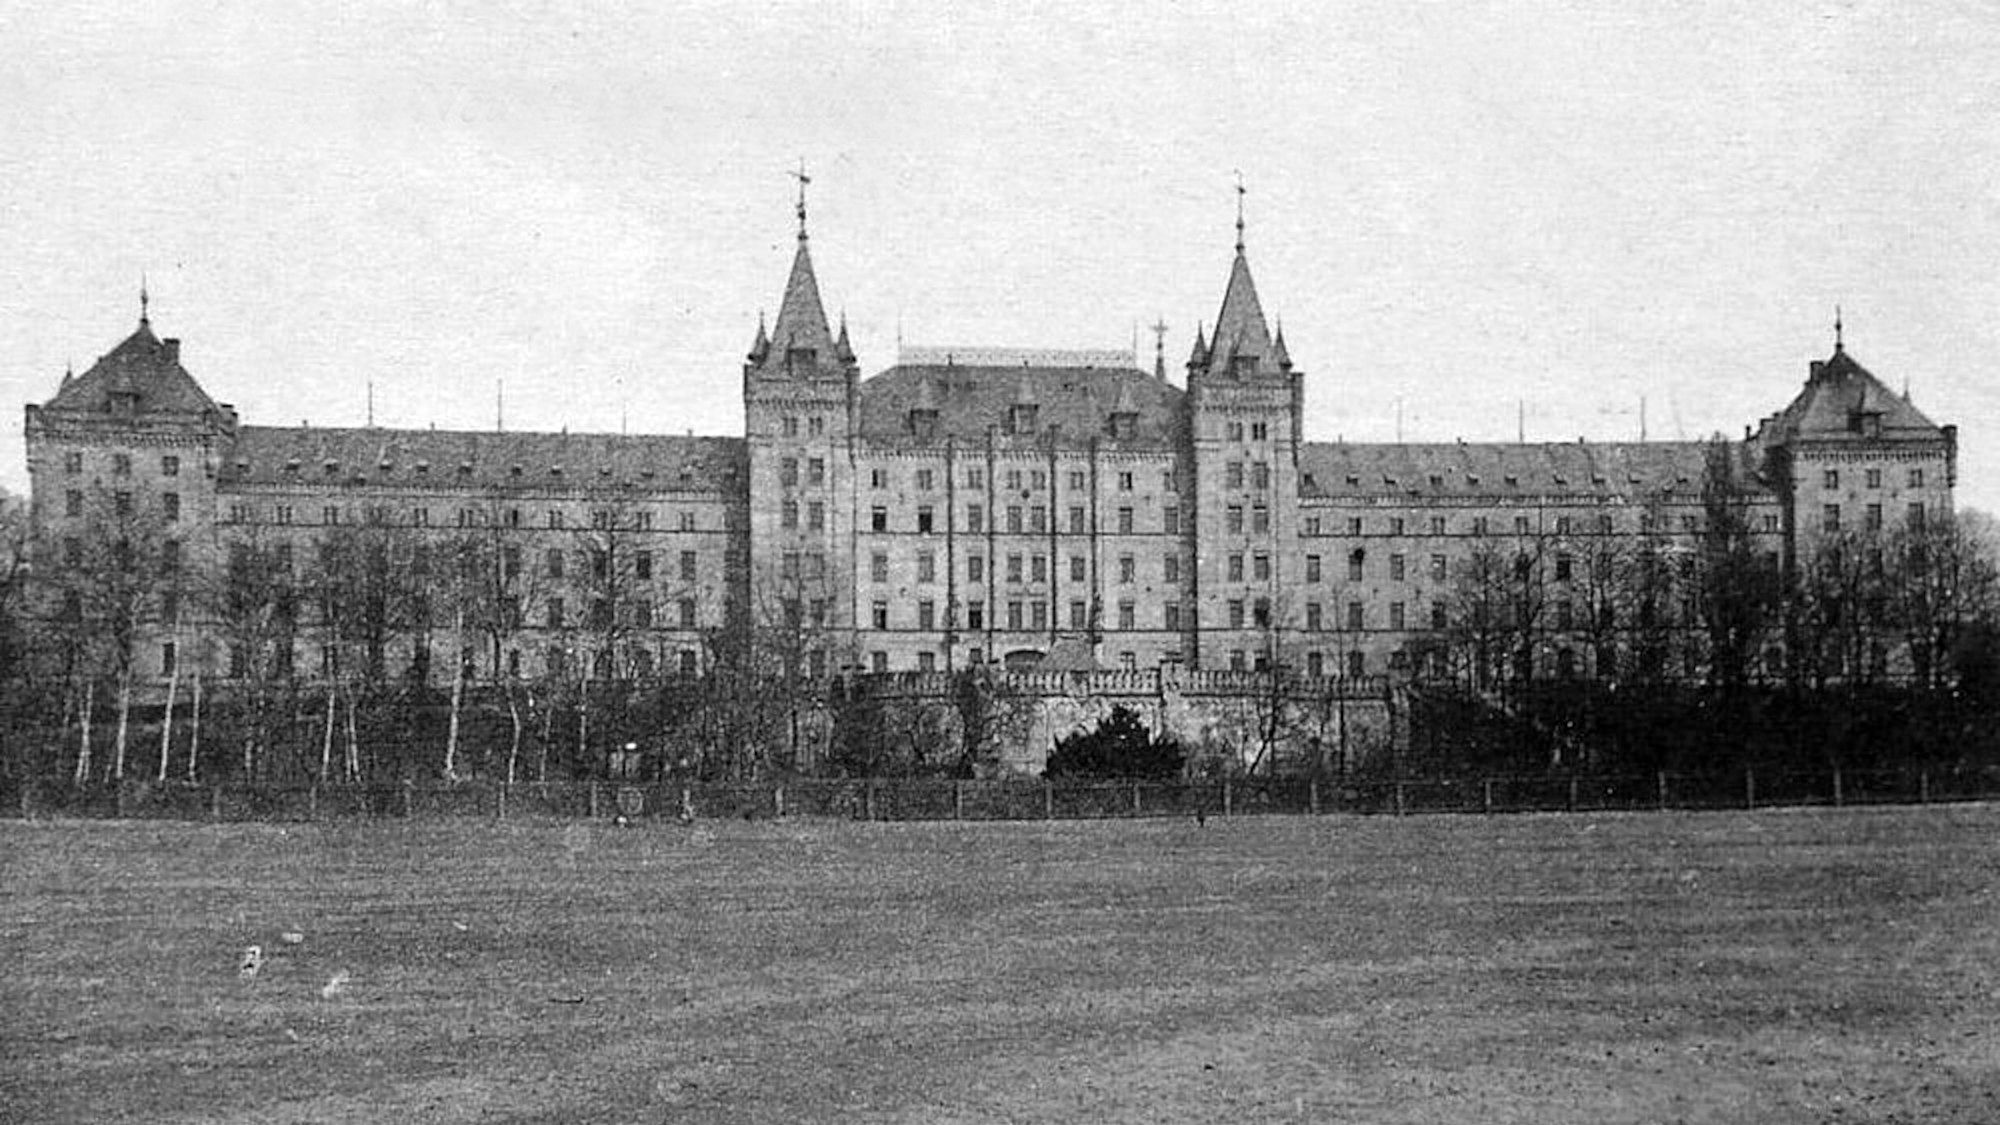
(1135, 798)
(1923, 787)
(1836, 787)
(215, 802)
(1312, 796)
(312, 801)
(1749, 788)
(1487, 802)
(1225, 797)
(500, 801)
(409, 788)
(1662, 777)
(1572, 792)
(593, 798)
(778, 800)
(1399, 797)
(868, 800)
(957, 800)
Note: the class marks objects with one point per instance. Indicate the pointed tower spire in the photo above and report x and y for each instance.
(842, 350)
(1198, 357)
(800, 332)
(1279, 355)
(761, 346)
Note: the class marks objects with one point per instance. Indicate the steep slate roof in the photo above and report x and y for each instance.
(1339, 470)
(262, 455)
(801, 317)
(1837, 392)
(1240, 328)
(1078, 401)
(140, 365)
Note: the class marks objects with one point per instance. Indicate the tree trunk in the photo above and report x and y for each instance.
(124, 723)
(457, 697)
(326, 737)
(353, 743)
(514, 746)
(83, 744)
(167, 719)
(194, 739)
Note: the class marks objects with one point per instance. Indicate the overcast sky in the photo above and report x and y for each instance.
(1466, 210)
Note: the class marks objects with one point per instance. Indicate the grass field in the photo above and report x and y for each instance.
(1777, 966)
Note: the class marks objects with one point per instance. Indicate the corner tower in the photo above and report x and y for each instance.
(799, 387)
(1244, 401)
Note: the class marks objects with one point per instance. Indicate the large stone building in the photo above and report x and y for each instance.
(960, 507)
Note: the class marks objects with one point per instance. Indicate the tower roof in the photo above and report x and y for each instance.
(1844, 401)
(801, 319)
(143, 372)
(1240, 325)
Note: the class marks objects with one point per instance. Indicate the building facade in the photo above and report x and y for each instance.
(964, 506)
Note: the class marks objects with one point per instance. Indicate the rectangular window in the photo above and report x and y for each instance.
(1357, 664)
(642, 565)
(1079, 615)
(72, 463)
(555, 561)
(1917, 516)
(1076, 480)
(1355, 612)
(788, 515)
(1077, 526)
(1873, 517)
(1038, 615)
(878, 567)
(1830, 517)
(975, 478)
(1234, 521)
(1039, 568)
(687, 613)
(688, 566)
(555, 613)
(1354, 565)
(1916, 478)
(925, 477)
(1437, 525)
(788, 472)
(816, 471)
(1128, 569)
(1236, 613)
(1170, 569)
(1312, 568)
(975, 518)
(975, 568)
(878, 478)
(1125, 523)
(1171, 616)
(170, 466)
(879, 615)
(1260, 519)
(1078, 568)
(1128, 615)
(687, 521)
(1016, 615)
(926, 567)
(1171, 521)
(1038, 519)
(924, 520)
(1014, 519)
(73, 503)
(1261, 568)
(1396, 568)
(1233, 474)
(1313, 621)
(121, 464)
(1439, 567)
(1015, 568)
(1440, 615)
(1565, 566)
(1236, 568)
(1354, 525)
(1260, 476)
(878, 662)
(1479, 526)
(975, 616)
(878, 518)
(1395, 615)
(1124, 482)
(170, 556)
(1831, 478)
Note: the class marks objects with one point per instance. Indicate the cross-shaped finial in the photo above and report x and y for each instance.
(1240, 189)
(803, 180)
(143, 299)
(1837, 346)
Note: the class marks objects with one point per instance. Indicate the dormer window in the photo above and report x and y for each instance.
(331, 468)
(801, 357)
(923, 424)
(1242, 366)
(1123, 425)
(1022, 417)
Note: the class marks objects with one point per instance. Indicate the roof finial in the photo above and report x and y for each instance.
(1837, 345)
(144, 300)
(1239, 210)
(803, 180)
(1159, 328)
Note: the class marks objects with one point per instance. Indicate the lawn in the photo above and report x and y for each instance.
(1775, 966)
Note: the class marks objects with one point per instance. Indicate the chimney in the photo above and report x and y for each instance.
(171, 346)
(1814, 372)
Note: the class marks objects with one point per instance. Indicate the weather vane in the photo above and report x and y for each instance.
(1240, 189)
(803, 180)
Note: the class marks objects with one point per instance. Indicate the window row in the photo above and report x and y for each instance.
(974, 478)
(553, 519)
(1872, 478)
(120, 463)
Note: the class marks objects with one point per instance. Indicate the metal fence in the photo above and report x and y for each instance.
(905, 799)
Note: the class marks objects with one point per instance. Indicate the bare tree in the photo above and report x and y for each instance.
(1941, 584)
(1738, 586)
